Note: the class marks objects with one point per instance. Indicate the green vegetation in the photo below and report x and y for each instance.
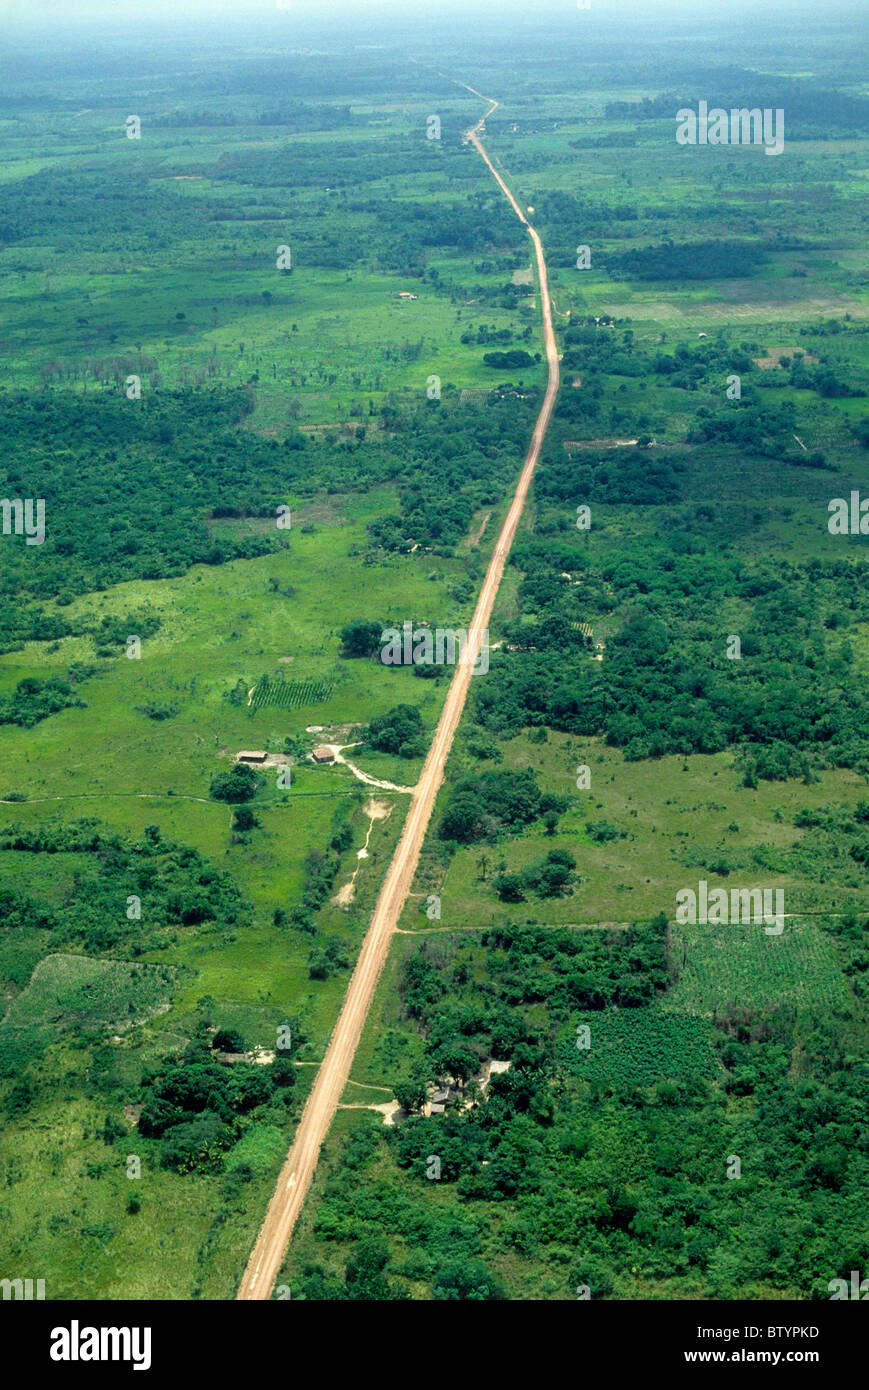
(34, 699)
(737, 966)
(238, 785)
(398, 731)
(551, 877)
(639, 1047)
(289, 694)
(79, 995)
(481, 807)
(677, 684)
(197, 1108)
(604, 1155)
(696, 260)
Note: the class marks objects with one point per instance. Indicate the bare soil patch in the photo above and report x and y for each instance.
(775, 356)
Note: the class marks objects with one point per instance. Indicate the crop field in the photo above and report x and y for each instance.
(746, 967)
(627, 1048)
(77, 994)
(289, 694)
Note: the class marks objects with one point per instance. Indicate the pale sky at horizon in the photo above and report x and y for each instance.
(62, 13)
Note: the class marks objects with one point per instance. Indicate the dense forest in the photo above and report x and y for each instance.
(667, 684)
(609, 1166)
(132, 488)
(195, 1105)
(813, 112)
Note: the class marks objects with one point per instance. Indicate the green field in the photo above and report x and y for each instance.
(741, 966)
(638, 1047)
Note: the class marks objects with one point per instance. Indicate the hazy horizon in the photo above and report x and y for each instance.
(57, 14)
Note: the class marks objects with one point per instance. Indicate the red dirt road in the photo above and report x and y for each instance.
(298, 1170)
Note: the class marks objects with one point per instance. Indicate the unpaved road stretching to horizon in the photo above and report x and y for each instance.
(298, 1170)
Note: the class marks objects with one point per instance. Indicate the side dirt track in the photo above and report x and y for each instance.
(298, 1170)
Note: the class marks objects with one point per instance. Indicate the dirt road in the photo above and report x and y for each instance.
(298, 1170)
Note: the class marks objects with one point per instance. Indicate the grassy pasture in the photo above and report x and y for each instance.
(678, 816)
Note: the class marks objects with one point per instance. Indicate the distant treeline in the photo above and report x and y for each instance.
(811, 112)
(697, 260)
(297, 115)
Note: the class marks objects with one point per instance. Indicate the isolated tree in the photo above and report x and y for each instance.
(411, 1094)
(244, 819)
(238, 785)
(360, 638)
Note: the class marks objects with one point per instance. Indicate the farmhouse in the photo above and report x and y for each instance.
(255, 757)
(406, 294)
(323, 754)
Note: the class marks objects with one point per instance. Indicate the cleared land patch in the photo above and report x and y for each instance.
(75, 992)
(639, 1047)
(741, 965)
